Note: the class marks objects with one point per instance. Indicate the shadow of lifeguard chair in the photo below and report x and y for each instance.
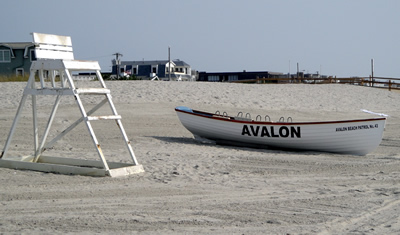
(54, 55)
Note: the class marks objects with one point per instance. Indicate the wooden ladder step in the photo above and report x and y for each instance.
(93, 91)
(109, 117)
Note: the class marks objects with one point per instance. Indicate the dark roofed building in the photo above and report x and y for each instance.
(236, 76)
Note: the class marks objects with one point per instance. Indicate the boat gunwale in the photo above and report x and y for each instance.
(231, 119)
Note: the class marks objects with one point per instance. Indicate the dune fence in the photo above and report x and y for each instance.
(377, 82)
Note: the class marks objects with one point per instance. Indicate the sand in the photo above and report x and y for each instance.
(193, 187)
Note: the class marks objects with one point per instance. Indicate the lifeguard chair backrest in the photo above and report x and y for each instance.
(49, 46)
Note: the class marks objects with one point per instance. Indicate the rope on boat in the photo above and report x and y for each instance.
(259, 117)
(224, 114)
(248, 115)
(240, 114)
(246, 118)
(289, 119)
(266, 118)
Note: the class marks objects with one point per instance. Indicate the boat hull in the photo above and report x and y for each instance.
(357, 137)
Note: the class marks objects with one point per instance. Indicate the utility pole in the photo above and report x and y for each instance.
(372, 68)
(117, 62)
(169, 63)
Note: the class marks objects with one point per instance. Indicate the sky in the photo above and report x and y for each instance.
(332, 37)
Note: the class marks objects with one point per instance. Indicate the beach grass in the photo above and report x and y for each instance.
(13, 78)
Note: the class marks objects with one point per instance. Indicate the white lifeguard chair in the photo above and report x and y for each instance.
(54, 54)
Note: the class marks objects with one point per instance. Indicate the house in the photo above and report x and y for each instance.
(236, 76)
(16, 58)
(154, 69)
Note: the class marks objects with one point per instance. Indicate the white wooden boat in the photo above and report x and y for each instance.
(357, 137)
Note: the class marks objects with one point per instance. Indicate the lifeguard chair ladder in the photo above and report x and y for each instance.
(54, 54)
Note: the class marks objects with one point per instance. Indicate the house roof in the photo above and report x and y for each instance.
(180, 63)
(153, 62)
(144, 62)
(243, 72)
(16, 45)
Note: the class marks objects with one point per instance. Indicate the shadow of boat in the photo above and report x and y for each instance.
(234, 145)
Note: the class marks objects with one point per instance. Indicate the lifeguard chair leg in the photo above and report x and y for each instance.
(17, 115)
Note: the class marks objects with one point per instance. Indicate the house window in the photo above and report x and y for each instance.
(154, 68)
(233, 77)
(19, 72)
(213, 78)
(134, 70)
(33, 55)
(5, 56)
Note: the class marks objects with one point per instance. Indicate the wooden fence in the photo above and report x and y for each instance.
(377, 82)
